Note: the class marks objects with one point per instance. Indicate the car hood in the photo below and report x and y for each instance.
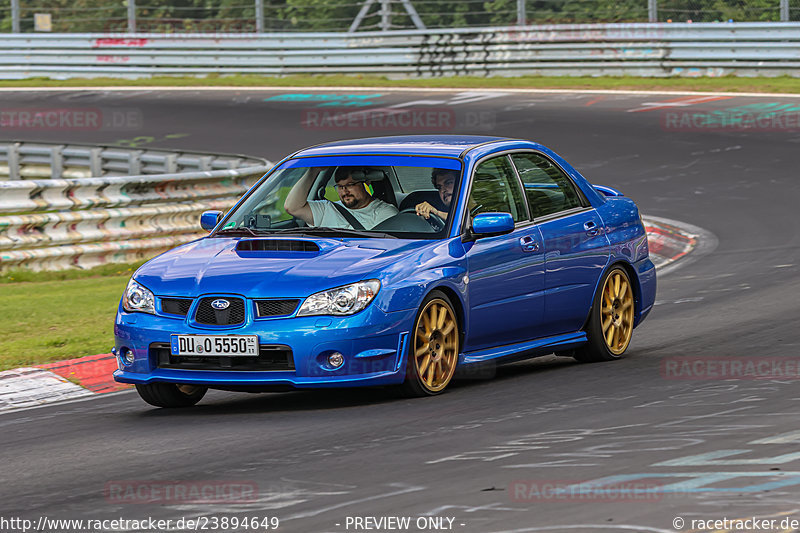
(221, 266)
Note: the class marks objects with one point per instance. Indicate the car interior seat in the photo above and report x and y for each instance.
(381, 186)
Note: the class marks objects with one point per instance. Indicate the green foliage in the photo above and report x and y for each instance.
(319, 15)
(719, 10)
(53, 320)
(5, 15)
(337, 15)
(75, 15)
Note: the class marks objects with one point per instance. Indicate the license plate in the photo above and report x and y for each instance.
(215, 345)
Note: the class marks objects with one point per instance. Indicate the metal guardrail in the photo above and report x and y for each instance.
(646, 49)
(93, 210)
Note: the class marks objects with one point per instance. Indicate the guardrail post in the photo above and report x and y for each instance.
(13, 161)
(135, 162)
(520, 12)
(171, 164)
(784, 10)
(204, 163)
(386, 15)
(131, 16)
(233, 163)
(96, 162)
(15, 28)
(57, 162)
(259, 16)
(652, 10)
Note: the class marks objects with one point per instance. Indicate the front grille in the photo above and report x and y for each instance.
(276, 307)
(276, 245)
(176, 306)
(231, 316)
(270, 357)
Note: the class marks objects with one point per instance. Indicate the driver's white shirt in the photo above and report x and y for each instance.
(325, 215)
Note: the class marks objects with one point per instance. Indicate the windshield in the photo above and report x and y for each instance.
(367, 196)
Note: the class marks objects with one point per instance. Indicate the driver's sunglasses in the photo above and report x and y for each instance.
(351, 186)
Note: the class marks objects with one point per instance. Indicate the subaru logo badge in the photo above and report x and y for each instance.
(220, 304)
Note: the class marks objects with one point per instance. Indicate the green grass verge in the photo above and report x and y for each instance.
(50, 316)
(783, 84)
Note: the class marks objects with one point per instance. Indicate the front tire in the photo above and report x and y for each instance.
(171, 394)
(433, 351)
(610, 324)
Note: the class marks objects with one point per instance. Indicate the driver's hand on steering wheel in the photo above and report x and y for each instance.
(425, 209)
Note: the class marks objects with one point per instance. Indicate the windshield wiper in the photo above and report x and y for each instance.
(335, 231)
(238, 231)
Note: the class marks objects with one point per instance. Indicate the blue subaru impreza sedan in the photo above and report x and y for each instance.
(389, 261)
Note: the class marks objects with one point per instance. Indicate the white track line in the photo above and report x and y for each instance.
(517, 90)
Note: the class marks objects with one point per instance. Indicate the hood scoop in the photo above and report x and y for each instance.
(276, 245)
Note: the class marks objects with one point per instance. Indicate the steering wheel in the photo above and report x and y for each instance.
(436, 222)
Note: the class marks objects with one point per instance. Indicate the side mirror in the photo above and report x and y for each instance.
(209, 219)
(492, 224)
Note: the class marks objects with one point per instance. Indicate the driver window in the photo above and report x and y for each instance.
(495, 189)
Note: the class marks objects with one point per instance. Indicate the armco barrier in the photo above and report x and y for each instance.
(642, 49)
(98, 212)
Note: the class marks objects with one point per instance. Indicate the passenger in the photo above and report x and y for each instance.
(355, 199)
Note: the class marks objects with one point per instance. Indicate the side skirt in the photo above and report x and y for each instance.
(525, 350)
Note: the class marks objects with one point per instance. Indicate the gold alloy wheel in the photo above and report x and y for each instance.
(616, 312)
(436, 345)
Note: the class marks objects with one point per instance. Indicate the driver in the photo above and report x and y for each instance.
(354, 197)
(445, 181)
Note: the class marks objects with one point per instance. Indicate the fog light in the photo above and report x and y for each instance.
(127, 356)
(336, 359)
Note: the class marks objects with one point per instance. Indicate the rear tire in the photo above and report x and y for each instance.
(434, 347)
(610, 325)
(171, 394)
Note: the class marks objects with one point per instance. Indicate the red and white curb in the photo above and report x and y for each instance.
(670, 243)
(667, 242)
(28, 387)
(56, 382)
(674, 244)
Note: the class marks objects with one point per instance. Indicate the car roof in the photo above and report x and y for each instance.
(430, 145)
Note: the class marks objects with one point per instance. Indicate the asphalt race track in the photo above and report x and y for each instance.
(682, 442)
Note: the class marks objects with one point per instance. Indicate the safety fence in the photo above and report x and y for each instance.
(354, 15)
(63, 206)
(713, 49)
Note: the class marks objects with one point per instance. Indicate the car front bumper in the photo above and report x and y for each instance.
(373, 343)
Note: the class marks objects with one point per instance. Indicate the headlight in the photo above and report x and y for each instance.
(137, 298)
(342, 300)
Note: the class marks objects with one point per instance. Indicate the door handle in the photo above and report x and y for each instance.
(529, 244)
(591, 228)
